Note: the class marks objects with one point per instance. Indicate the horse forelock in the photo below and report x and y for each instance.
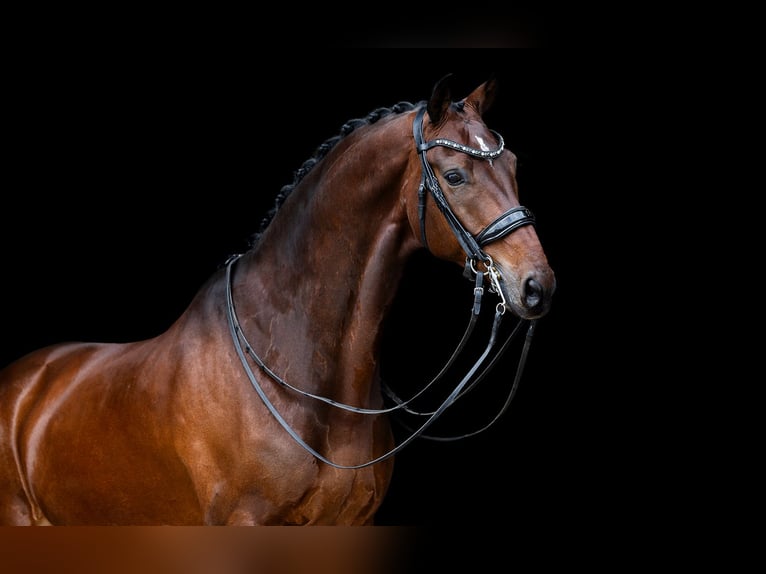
(321, 151)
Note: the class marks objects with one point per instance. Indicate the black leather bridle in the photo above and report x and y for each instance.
(506, 223)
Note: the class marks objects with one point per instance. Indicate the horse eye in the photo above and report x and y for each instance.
(454, 178)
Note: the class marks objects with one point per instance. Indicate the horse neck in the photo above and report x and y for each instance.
(316, 288)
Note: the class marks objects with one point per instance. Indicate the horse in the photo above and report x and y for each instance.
(263, 402)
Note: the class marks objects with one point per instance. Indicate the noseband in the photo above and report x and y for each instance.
(507, 222)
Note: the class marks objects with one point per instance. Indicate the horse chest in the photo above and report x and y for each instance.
(339, 497)
(310, 494)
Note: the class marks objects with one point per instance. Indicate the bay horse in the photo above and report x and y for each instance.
(262, 403)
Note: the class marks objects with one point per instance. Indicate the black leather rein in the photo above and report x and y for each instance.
(506, 223)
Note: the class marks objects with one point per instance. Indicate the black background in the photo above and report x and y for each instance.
(130, 179)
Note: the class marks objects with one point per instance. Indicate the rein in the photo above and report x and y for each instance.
(500, 227)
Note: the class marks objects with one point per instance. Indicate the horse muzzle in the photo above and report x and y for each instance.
(527, 294)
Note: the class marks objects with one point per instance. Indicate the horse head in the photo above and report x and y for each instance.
(478, 220)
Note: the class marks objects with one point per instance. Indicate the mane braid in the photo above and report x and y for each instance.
(322, 151)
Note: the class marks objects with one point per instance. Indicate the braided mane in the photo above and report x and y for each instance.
(322, 151)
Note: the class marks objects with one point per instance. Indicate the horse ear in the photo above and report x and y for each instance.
(481, 98)
(440, 100)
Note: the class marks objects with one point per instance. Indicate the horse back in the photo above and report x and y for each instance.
(82, 413)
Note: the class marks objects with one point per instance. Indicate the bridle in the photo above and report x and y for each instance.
(506, 223)
(472, 246)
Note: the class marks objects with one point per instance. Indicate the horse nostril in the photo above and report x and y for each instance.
(533, 293)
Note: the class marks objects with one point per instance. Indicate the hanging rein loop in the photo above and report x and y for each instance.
(238, 337)
(506, 223)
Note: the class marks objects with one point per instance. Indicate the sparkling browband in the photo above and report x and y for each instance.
(469, 150)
